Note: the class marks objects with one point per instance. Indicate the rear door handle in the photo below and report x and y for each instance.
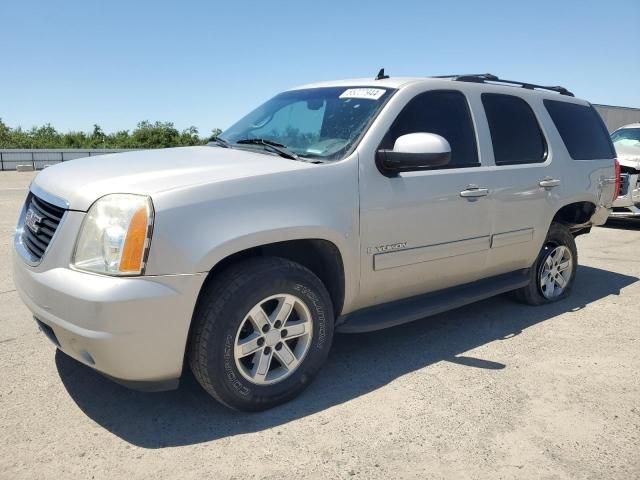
(549, 182)
(473, 191)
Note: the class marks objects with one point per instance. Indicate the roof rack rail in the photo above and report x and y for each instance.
(488, 77)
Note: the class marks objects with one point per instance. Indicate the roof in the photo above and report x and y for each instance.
(481, 81)
(393, 82)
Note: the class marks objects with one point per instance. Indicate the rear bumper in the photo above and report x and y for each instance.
(133, 330)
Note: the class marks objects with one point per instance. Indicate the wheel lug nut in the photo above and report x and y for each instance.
(267, 350)
(260, 342)
(278, 324)
(265, 329)
(283, 333)
(278, 345)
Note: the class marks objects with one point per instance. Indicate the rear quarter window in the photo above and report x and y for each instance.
(582, 130)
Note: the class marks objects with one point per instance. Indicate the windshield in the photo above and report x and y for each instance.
(320, 123)
(626, 136)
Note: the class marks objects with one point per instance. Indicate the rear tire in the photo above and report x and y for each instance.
(554, 271)
(256, 318)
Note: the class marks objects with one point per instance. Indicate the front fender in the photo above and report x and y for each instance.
(197, 227)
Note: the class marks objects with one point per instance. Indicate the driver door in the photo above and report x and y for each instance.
(425, 230)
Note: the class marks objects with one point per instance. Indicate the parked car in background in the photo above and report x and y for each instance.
(626, 141)
(347, 206)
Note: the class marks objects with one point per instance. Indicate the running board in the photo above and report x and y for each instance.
(421, 306)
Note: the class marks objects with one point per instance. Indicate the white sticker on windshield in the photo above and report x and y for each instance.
(368, 93)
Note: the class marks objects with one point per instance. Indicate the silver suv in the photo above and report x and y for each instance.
(345, 206)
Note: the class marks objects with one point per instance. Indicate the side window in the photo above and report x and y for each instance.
(581, 129)
(515, 132)
(442, 112)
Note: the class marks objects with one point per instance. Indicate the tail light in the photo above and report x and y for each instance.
(616, 191)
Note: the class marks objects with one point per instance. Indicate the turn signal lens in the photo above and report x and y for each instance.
(134, 245)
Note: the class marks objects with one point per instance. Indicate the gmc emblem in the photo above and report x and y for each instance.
(32, 220)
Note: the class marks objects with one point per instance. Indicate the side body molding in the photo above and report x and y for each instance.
(510, 238)
(429, 253)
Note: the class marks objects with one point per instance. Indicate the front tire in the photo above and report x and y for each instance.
(553, 274)
(261, 332)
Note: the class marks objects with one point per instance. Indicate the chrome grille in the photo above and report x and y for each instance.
(624, 184)
(41, 221)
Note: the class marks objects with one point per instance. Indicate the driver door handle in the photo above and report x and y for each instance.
(549, 182)
(473, 191)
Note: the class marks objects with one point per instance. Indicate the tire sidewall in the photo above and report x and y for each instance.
(237, 390)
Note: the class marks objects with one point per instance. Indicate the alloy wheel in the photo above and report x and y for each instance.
(273, 339)
(556, 272)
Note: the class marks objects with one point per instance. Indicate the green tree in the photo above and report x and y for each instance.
(45, 137)
(215, 133)
(146, 135)
(5, 133)
(98, 138)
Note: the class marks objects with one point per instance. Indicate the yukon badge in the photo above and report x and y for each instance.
(32, 220)
(386, 248)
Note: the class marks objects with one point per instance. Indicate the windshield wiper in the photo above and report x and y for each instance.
(221, 142)
(278, 148)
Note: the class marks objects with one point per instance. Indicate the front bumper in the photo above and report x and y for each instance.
(628, 202)
(133, 330)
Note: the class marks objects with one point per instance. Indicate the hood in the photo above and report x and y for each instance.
(628, 155)
(80, 182)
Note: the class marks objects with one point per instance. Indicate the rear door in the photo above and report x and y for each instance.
(524, 182)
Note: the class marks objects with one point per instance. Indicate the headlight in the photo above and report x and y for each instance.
(115, 235)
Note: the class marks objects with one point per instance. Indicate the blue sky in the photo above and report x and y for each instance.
(207, 63)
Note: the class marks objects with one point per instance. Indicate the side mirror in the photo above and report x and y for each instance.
(414, 151)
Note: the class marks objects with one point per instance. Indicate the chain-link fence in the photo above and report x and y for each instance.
(27, 159)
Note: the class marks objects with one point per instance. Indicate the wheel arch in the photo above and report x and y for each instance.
(323, 257)
(576, 216)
